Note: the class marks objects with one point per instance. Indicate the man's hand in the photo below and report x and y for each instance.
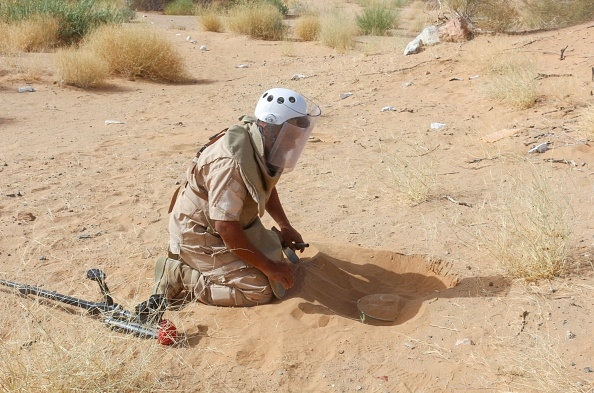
(291, 238)
(237, 241)
(282, 272)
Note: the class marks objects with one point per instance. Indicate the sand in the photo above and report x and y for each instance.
(77, 193)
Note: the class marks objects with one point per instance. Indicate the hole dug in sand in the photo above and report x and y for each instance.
(339, 279)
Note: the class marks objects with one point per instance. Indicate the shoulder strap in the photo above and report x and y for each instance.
(211, 140)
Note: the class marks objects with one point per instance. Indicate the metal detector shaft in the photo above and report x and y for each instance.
(93, 307)
(115, 317)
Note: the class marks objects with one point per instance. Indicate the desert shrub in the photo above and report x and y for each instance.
(76, 18)
(81, 68)
(210, 18)
(257, 19)
(49, 351)
(413, 178)
(148, 5)
(338, 31)
(532, 234)
(137, 52)
(497, 15)
(586, 121)
(307, 27)
(555, 13)
(36, 34)
(180, 7)
(514, 83)
(493, 15)
(376, 20)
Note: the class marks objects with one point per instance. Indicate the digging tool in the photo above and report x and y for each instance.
(112, 314)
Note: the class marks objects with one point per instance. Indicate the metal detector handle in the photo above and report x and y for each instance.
(92, 307)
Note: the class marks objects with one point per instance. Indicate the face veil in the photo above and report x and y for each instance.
(284, 143)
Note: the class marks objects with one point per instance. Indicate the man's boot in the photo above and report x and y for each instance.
(151, 311)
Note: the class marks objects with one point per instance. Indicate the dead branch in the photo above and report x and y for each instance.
(449, 198)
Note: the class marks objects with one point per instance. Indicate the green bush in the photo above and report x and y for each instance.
(76, 18)
(376, 20)
(180, 7)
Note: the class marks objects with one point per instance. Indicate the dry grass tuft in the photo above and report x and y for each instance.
(509, 75)
(82, 68)
(586, 122)
(257, 19)
(37, 34)
(46, 349)
(307, 27)
(210, 18)
(531, 233)
(137, 52)
(338, 31)
(414, 177)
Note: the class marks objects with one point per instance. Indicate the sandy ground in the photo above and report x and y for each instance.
(76, 193)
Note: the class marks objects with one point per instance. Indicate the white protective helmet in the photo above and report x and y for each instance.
(278, 105)
(294, 117)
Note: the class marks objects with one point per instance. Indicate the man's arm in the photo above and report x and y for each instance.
(276, 211)
(237, 241)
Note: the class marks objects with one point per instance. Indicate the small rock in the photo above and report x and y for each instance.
(26, 89)
(297, 77)
(203, 48)
(345, 95)
(541, 148)
(437, 126)
(26, 217)
(107, 122)
(570, 335)
(589, 370)
(464, 341)
(242, 66)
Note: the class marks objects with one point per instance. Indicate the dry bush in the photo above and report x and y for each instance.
(529, 232)
(554, 13)
(414, 177)
(257, 19)
(210, 18)
(137, 52)
(497, 15)
(307, 27)
(586, 121)
(338, 31)
(47, 349)
(510, 75)
(81, 68)
(515, 86)
(37, 34)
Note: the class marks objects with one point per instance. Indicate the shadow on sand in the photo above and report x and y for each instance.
(332, 284)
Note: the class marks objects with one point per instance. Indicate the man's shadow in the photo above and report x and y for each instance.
(333, 284)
